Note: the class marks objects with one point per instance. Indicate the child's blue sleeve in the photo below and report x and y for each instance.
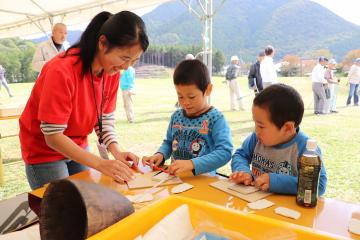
(166, 147)
(242, 157)
(222, 149)
(281, 183)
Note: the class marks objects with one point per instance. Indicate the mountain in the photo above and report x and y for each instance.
(244, 27)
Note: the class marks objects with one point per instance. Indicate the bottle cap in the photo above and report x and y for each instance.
(311, 144)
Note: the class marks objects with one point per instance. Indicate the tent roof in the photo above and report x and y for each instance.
(25, 17)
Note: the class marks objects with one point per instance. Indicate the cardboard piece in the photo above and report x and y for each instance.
(146, 180)
(16, 214)
(243, 189)
(224, 185)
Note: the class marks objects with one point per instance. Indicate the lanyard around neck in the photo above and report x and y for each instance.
(98, 115)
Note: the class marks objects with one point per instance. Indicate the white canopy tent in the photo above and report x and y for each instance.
(26, 17)
(19, 18)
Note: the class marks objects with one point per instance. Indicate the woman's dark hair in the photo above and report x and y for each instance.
(283, 102)
(124, 29)
(190, 72)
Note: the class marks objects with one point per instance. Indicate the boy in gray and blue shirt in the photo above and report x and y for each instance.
(274, 148)
(198, 138)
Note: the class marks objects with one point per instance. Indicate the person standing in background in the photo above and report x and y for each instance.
(254, 77)
(3, 81)
(232, 73)
(268, 68)
(333, 85)
(354, 80)
(49, 49)
(127, 82)
(318, 85)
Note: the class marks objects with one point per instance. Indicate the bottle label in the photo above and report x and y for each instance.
(307, 196)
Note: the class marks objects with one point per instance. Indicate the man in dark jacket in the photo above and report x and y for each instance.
(254, 77)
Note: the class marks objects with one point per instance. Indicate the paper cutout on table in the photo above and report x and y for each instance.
(287, 212)
(160, 176)
(145, 180)
(224, 185)
(141, 197)
(144, 168)
(181, 188)
(354, 224)
(260, 204)
(243, 189)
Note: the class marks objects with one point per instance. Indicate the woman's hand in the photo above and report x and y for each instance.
(117, 169)
(155, 159)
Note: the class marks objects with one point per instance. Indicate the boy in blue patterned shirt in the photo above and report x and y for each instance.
(274, 148)
(198, 138)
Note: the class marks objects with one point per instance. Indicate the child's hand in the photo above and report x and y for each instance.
(241, 177)
(179, 166)
(263, 182)
(155, 159)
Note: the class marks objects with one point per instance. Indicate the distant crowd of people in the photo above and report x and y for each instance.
(325, 84)
(262, 74)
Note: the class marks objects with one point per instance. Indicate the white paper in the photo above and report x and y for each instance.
(260, 204)
(102, 150)
(354, 226)
(161, 176)
(141, 197)
(175, 226)
(181, 188)
(287, 212)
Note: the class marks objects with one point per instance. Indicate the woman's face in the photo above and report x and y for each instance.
(117, 58)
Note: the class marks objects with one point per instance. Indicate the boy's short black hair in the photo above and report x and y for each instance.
(190, 72)
(283, 102)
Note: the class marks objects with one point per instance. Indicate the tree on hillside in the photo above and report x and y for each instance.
(350, 57)
(16, 56)
(218, 61)
(293, 67)
(321, 52)
(171, 55)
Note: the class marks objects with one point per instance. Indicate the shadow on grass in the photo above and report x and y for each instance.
(158, 119)
(11, 160)
(148, 113)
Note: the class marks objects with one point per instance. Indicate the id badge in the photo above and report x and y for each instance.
(102, 150)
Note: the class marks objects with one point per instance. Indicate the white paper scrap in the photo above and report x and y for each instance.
(181, 188)
(287, 212)
(139, 198)
(354, 226)
(260, 204)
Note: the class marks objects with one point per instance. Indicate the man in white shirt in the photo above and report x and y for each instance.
(49, 49)
(318, 85)
(268, 68)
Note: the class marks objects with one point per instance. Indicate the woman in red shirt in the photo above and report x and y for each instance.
(76, 93)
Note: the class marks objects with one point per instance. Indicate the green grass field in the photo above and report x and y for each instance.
(337, 134)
